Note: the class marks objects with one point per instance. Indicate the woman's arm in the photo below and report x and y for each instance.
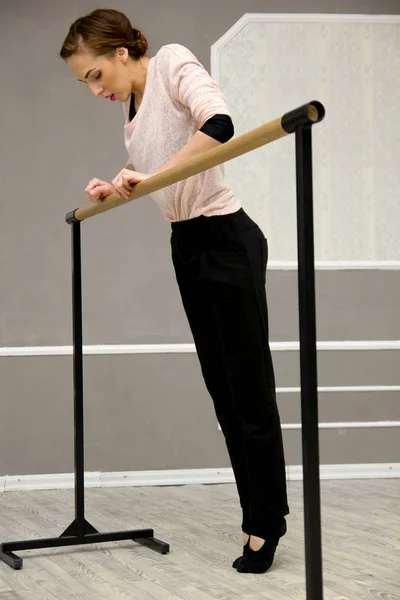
(198, 144)
(215, 131)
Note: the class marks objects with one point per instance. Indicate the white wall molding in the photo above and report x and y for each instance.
(348, 425)
(339, 265)
(99, 349)
(342, 425)
(11, 483)
(335, 389)
(107, 349)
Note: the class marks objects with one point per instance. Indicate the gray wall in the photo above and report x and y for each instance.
(143, 411)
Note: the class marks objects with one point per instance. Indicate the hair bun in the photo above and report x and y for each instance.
(140, 42)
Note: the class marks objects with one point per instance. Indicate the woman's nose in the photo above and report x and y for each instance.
(96, 91)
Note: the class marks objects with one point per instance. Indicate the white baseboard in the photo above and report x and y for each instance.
(14, 483)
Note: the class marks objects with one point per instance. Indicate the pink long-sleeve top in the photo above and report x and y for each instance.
(179, 97)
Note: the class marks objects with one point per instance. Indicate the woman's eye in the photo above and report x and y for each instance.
(98, 75)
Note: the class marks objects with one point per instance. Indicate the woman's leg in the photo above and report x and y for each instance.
(237, 273)
(220, 263)
(204, 329)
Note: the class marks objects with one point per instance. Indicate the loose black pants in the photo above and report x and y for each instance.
(220, 264)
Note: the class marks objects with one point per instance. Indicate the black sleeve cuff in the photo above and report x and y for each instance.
(219, 127)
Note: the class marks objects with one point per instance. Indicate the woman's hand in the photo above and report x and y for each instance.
(98, 190)
(126, 180)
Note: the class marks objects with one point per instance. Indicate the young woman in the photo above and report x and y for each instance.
(175, 111)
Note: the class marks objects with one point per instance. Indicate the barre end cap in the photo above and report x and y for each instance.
(316, 111)
(306, 115)
(70, 217)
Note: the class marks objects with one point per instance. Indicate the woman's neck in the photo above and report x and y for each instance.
(139, 76)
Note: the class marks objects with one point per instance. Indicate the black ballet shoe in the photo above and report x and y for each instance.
(259, 561)
(246, 548)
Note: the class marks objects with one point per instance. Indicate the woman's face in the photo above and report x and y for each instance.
(107, 77)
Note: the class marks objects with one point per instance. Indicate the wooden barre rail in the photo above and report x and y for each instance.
(306, 115)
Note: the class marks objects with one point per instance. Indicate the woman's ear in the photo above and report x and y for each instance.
(122, 54)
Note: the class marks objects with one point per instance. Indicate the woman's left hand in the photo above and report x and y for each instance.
(126, 179)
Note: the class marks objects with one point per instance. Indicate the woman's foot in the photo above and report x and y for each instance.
(260, 553)
(246, 547)
(258, 561)
(256, 542)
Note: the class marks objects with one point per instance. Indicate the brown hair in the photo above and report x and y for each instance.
(102, 32)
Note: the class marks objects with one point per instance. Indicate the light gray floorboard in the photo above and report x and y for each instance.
(361, 545)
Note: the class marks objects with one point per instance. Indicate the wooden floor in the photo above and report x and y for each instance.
(361, 539)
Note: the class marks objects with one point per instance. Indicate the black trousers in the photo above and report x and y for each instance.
(220, 264)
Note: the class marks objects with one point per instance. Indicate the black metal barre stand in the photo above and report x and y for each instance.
(80, 531)
(308, 362)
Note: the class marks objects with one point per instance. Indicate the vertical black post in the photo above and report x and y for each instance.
(308, 364)
(78, 378)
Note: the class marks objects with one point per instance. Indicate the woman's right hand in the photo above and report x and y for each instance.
(98, 190)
